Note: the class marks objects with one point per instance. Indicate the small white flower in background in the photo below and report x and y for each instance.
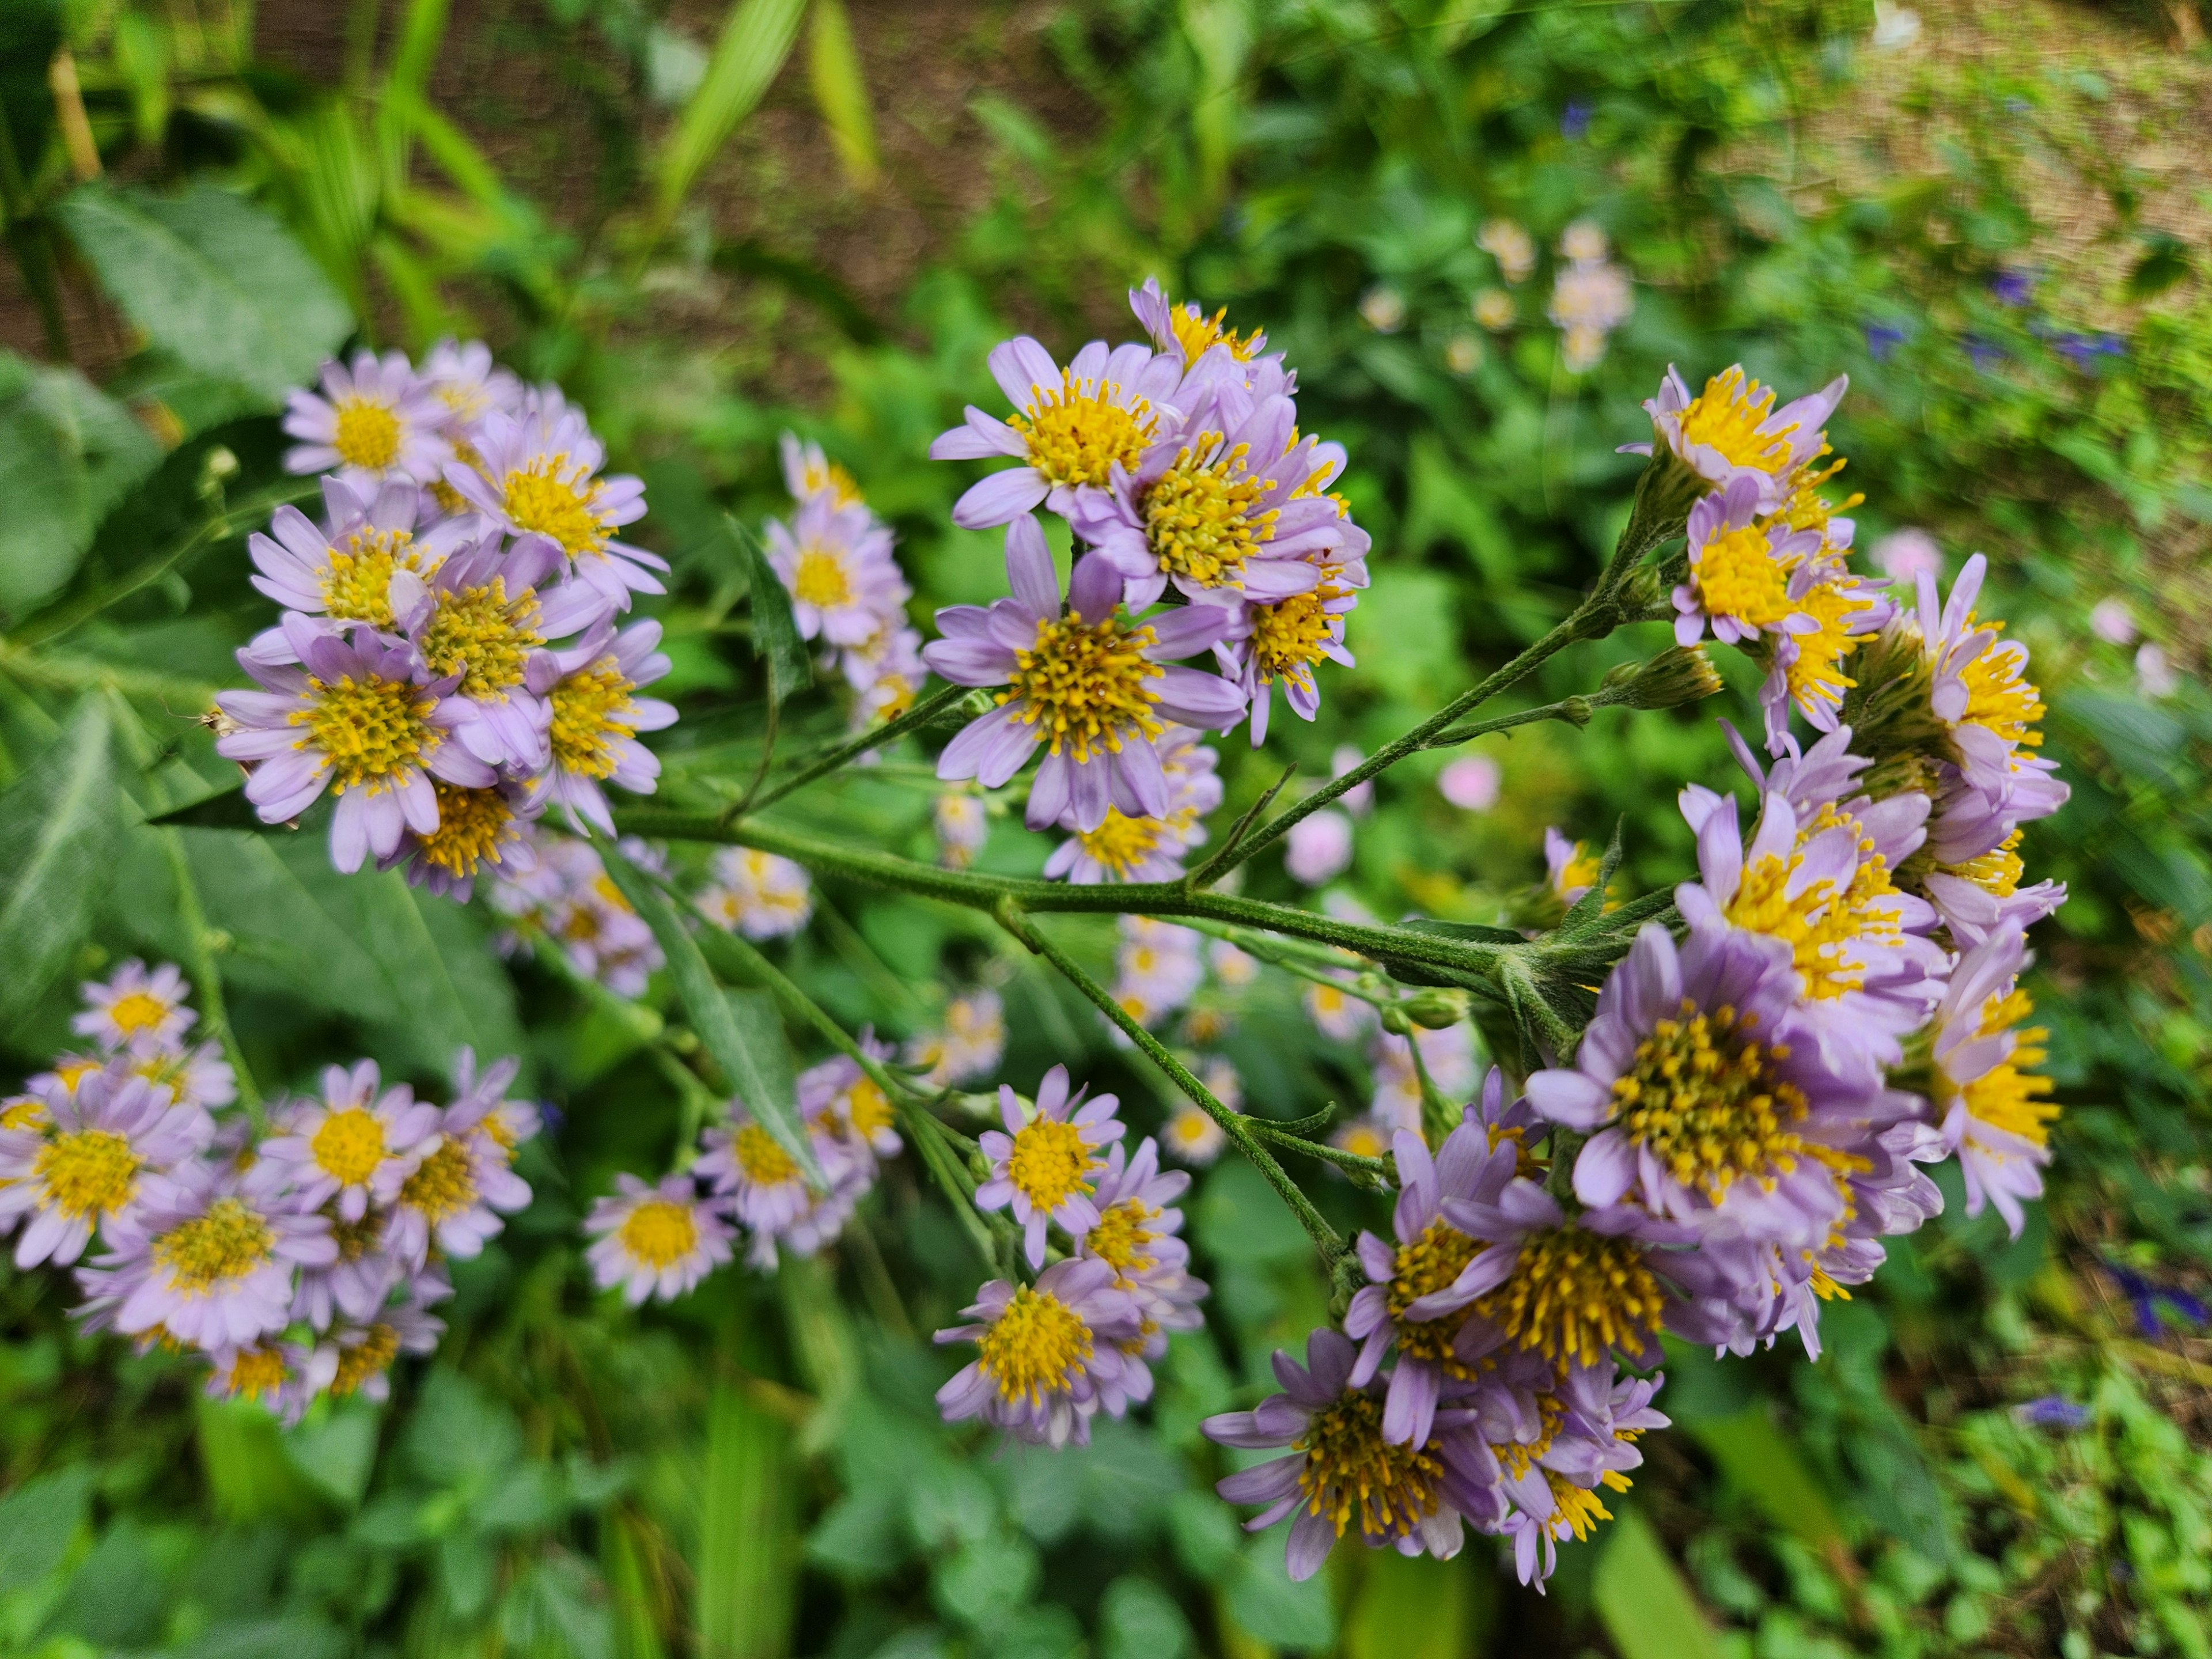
(1336, 1013)
(1222, 1082)
(1234, 967)
(1356, 799)
(1895, 27)
(2155, 675)
(1471, 783)
(1189, 1136)
(1514, 248)
(1495, 310)
(1590, 298)
(1158, 965)
(2111, 621)
(969, 1046)
(1320, 848)
(759, 894)
(1384, 308)
(1583, 242)
(962, 827)
(1902, 554)
(1581, 349)
(1464, 355)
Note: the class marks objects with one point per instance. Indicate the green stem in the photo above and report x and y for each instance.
(925, 710)
(1574, 711)
(199, 951)
(1233, 1124)
(1380, 1169)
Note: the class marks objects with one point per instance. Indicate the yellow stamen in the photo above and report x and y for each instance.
(370, 1357)
(471, 826)
(444, 1184)
(367, 434)
(138, 1011)
(1738, 576)
(592, 712)
(216, 1249)
(1576, 1296)
(1430, 1263)
(357, 571)
(1351, 1471)
(555, 498)
(256, 1374)
(1075, 437)
(1727, 416)
(86, 1173)
(368, 728)
(1198, 516)
(763, 1160)
(349, 1146)
(1050, 1163)
(821, 578)
(1123, 1240)
(1037, 1347)
(485, 636)
(660, 1232)
(1082, 686)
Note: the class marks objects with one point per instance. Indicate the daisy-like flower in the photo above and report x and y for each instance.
(344, 574)
(478, 830)
(1135, 1233)
(285, 1377)
(1571, 869)
(1092, 690)
(1159, 968)
(887, 670)
(759, 894)
(1983, 1082)
(1367, 1135)
(1341, 1473)
(1126, 848)
(835, 562)
(361, 1277)
(963, 825)
(592, 688)
(1191, 1136)
(1590, 298)
(360, 1355)
(376, 421)
(1584, 241)
(1973, 879)
(355, 1143)
(1280, 644)
(1049, 1354)
(1228, 502)
(656, 1242)
(762, 1186)
(969, 1046)
(469, 384)
(1419, 1287)
(1336, 1013)
(561, 892)
(1732, 430)
(1981, 692)
(1319, 849)
(1069, 427)
(458, 1195)
(81, 1160)
(209, 1256)
(1742, 564)
(1808, 668)
(843, 1104)
(1710, 1099)
(1045, 1166)
(808, 473)
(1583, 1437)
(1493, 309)
(1514, 248)
(1236, 969)
(197, 1076)
(137, 1010)
(538, 474)
(1186, 332)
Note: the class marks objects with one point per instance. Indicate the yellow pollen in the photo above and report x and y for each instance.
(357, 571)
(1196, 333)
(765, 1162)
(369, 729)
(829, 479)
(1351, 1475)
(820, 579)
(88, 1173)
(22, 1113)
(1997, 871)
(1998, 695)
(1579, 874)
(368, 433)
(1121, 1239)
(1037, 1347)
(166, 1071)
(1363, 1140)
(444, 1184)
(1738, 576)
(139, 1010)
(1121, 843)
(74, 1071)
(471, 823)
(2007, 1097)
(370, 1357)
(1575, 1296)
(1426, 1266)
(256, 1374)
(355, 1239)
(1082, 686)
(485, 636)
(349, 1146)
(659, 1233)
(1816, 680)
(867, 1109)
(1074, 436)
(1289, 637)
(1050, 1163)
(1199, 517)
(1727, 415)
(1580, 1507)
(214, 1249)
(592, 714)
(558, 500)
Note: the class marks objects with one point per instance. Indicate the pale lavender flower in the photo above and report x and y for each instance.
(284, 1377)
(762, 1186)
(1471, 783)
(1336, 1013)
(456, 1196)
(359, 1354)
(561, 893)
(1051, 1354)
(656, 1242)
(1985, 1090)
(1732, 430)
(808, 473)
(356, 1143)
(1906, 554)
(1448, 1057)
(376, 421)
(1982, 693)
(1092, 690)
(841, 1102)
(1382, 308)
(757, 894)
(1268, 645)
(1045, 1166)
(835, 562)
(82, 1159)
(1234, 967)
(1186, 332)
(137, 1010)
(2156, 677)
(2111, 621)
(591, 688)
(342, 572)
(969, 1046)
(1191, 1136)
(1570, 868)
(1126, 848)
(1159, 967)
(1740, 565)
(1135, 1237)
(1318, 848)
(478, 831)
(471, 386)
(962, 823)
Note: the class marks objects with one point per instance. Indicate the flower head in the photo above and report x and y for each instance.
(968, 1045)
(478, 830)
(1742, 566)
(962, 823)
(1336, 1013)
(1514, 248)
(759, 1184)
(345, 572)
(1045, 1167)
(1126, 848)
(835, 562)
(81, 1159)
(353, 1143)
(840, 1101)
(656, 1242)
(1049, 1354)
(1186, 332)
(561, 892)
(1732, 430)
(456, 1196)
(1986, 1091)
(808, 474)
(469, 384)
(759, 894)
(137, 1010)
(1191, 1136)
(592, 688)
(374, 421)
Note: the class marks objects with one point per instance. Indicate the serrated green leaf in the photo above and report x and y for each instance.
(776, 631)
(1643, 1601)
(212, 281)
(67, 453)
(741, 1029)
(57, 831)
(756, 36)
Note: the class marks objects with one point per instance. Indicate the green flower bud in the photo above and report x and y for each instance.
(1436, 1009)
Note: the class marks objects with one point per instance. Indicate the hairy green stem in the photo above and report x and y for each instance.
(925, 710)
(1574, 711)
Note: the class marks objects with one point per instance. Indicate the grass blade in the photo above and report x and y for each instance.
(841, 91)
(756, 38)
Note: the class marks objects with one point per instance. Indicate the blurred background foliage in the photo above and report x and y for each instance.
(711, 225)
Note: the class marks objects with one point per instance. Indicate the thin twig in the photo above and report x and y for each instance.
(925, 710)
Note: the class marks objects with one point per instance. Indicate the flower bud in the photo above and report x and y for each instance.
(1436, 1009)
(1395, 1020)
(1678, 675)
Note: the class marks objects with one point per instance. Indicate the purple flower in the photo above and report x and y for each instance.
(1569, 1441)
(2149, 1296)
(1051, 1354)
(1069, 429)
(469, 384)
(1740, 565)
(1135, 1237)
(1126, 848)
(1093, 690)
(1280, 643)
(1045, 1166)
(597, 716)
(376, 420)
(1732, 430)
(839, 1100)
(2052, 1411)
(656, 1242)
(1983, 1084)
(364, 719)
(137, 1010)
(808, 473)
(458, 1194)
(344, 574)
(360, 1354)
(2013, 287)
(84, 1159)
(836, 562)
(284, 1377)
(1981, 692)
(1882, 341)
(1187, 333)
(353, 1144)
(1319, 850)
(478, 830)
(762, 1186)
(1575, 120)
(561, 892)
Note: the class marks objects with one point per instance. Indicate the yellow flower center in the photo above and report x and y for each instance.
(257, 1373)
(1362, 1139)
(357, 571)
(1120, 843)
(1037, 1348)
(1738, 576)
(1190, 1128)
(558, 500)
(1427, 1265)
(1998, 695)
(765, 1164)
(2007, 1097)
(368, 728)
(1082, 686)
(369, 1358)
(214, 1249)
(821, 578)
(444, 1184)
(471, 823)
(1579, 874)
(1580, 1507)
(1289, 637)
(592, 712)
(659, 1233)
(485, 636)
(1727, 415)
(88, 1173)
(368, 433)
(1816, 680)
(1820, 925)
(349, 1146)
(1049, 1163)
(1075, 437)
(831, 480)
(1197, 333)
(1350, 1471)
(1703, 1099)
(1198, 516)
(1123, 1240)
(139, 1010)
(1997, 871)
(867, 1110)
(1575, 1295)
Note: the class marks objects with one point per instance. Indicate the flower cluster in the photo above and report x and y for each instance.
(449, 660)
(298, 1264)
(563, 897)
(1590, 296)
(1204, 522)
(1081, 1338)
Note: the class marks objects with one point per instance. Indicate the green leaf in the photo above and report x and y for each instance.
(1410, 1607)
(39, 1520)
(1265, 1604)
(1642, 1602)
(226, 809)
(776, 632)
(755, 38)
(116, 1597)
(987, 1581)
(2159, 269)
(57, 835)
(741, 1029)
(248, 1473)
(841, 91)
(747, 1528)
(67, 453)
(212, 281)
(1758, 1460)
(337, 1452)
